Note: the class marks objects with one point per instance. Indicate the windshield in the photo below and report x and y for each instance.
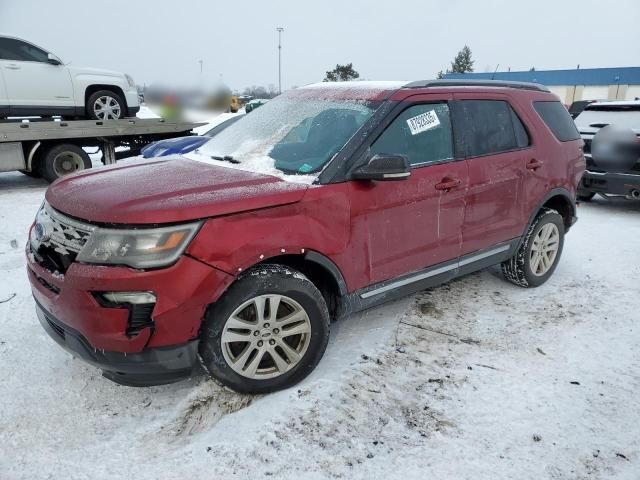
(290, 135)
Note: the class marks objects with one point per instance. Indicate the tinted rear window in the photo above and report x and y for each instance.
(490, 126)
(558, 120)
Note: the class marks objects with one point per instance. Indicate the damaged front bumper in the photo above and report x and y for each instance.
(133, 346)
(153, 366)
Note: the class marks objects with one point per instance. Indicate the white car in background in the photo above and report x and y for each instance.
(35, 82)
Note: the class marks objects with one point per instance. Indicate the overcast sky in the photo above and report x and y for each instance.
(163, 40)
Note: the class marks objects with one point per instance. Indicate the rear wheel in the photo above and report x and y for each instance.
(63, 160)
(537, 257)
(268, 331)
(105, 105)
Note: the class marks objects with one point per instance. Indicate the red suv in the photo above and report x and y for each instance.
(325, 201)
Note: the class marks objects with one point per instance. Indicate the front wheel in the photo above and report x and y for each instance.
(267, 332)
(105, 105)
(537, 257)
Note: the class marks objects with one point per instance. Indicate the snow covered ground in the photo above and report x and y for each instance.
(477, 379)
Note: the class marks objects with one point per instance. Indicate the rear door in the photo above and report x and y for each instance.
(30, 80)
(497, 147)
(408, 225)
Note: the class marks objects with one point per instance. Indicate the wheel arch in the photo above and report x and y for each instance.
(320, 270)
(559, 199)
(96, 87)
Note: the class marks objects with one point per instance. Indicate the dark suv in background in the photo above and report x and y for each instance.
(327, 200)
(611, 133)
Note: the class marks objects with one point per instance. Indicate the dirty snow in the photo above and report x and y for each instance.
(477, 379)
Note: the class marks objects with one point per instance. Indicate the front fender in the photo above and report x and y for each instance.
(236, 242)
(82, 81)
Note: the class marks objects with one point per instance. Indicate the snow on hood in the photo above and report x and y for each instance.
(262, 164)
(166, 190)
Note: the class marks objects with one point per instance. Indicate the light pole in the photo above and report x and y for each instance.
(280, 30)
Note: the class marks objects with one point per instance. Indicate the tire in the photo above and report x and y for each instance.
(519, 269)
(256, 370)
(585, 196)
(106, 102)
(62, 160)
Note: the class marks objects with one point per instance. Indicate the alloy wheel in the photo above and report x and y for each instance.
(107, 108)
(266, 336)
(544, 249)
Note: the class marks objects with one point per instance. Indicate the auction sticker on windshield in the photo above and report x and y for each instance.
(423, 122)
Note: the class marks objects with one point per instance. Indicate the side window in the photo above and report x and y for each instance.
(558, 120)
(491, 126)
(13, 49)
(421, 132)
(522, 137)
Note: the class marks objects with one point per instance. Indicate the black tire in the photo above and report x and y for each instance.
(62, 160)
(265, 280)
(105, 94)
(518, 269)
(585, 196)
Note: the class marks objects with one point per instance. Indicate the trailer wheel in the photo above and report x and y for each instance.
(62, 160)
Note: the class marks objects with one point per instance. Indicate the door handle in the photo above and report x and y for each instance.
(447, 184)
(534, 164)
(12, 67)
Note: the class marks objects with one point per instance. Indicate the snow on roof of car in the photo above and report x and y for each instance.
(354, 91)
(364, 84)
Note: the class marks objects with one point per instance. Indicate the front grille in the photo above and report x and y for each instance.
(57, 239)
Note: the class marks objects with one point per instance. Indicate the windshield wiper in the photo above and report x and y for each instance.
(225, 158)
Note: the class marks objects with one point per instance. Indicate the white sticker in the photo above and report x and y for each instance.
(423, 122)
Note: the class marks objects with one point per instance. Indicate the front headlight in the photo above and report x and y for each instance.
(130, 80)
(141, 248)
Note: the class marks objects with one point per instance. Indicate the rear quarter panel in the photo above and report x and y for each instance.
(563, 161)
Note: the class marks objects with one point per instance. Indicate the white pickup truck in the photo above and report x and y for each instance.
(35, 82)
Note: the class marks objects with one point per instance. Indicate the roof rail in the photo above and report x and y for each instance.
(476, 83)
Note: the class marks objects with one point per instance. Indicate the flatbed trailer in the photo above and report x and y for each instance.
(54, 148)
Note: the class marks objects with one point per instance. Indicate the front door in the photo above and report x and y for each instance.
(415, 223)
(30, 80)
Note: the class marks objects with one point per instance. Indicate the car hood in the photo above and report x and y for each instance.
(167, 190)
(173, 146)
(78, 70)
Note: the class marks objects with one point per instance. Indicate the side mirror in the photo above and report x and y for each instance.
(53, 60)
(384, 167)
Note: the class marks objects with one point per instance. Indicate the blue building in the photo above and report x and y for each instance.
(617, 83)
